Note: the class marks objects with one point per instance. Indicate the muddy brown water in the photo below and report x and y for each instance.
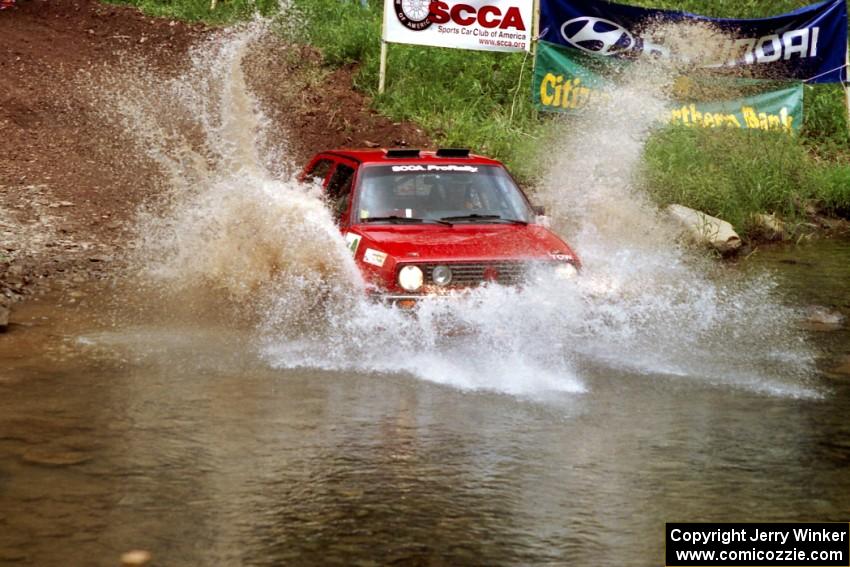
(175, 439)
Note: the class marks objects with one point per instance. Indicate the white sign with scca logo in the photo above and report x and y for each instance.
(487, 25)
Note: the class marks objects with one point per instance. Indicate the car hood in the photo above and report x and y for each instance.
(463, 242)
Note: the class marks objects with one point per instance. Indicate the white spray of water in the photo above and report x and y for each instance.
(229, 221)
(655, 307)
(231, 224)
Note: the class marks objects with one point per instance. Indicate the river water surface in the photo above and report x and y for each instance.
(180, 439)
(234, 400)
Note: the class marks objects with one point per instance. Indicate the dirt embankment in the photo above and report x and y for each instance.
(70, 183)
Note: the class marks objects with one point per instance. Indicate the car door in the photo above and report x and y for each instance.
(339, 190)
(317, 170)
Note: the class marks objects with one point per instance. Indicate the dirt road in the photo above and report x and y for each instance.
(70, 183)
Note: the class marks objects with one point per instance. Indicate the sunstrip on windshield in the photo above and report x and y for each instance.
(432, 167)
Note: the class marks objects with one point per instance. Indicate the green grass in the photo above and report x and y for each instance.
(227, 11)
(465, 98)
(462, 98)
(733, 173)
(477, 100)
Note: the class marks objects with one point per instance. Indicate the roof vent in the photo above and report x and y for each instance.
(402, 153)
(453, 152)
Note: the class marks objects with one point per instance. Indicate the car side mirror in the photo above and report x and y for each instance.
(541, 218)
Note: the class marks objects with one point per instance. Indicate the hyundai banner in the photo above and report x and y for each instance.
(564, 81)
(808, 44)
(488, 25)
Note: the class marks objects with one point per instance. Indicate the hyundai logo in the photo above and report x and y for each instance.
(597, 36)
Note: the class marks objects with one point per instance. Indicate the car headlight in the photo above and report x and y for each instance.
(410, 278)
(442, 275)
(566, 271)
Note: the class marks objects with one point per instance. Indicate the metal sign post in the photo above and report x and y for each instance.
(535, 27)
(382, 72)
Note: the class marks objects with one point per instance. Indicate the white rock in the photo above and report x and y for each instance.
(705, 229)
(135, 557)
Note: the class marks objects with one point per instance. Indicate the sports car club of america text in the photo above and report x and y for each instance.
(494, 24)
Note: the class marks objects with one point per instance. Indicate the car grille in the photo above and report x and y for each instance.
(473, 274)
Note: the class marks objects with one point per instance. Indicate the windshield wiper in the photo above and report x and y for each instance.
(475, 217)
(396, 218)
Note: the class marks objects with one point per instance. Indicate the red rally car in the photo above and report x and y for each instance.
(425, 222)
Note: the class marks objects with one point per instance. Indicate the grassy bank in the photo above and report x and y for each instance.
(462, 98)
(732, 174)
(478, 99)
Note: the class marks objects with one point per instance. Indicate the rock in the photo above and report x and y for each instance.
(819, 318)
(769, 226)
(371, 144)
(135, 558)
(705, 229)
(100, 258)
(4, 318)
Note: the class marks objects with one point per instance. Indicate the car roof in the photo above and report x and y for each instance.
(379, 156)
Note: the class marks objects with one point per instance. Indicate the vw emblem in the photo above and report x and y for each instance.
(597, 36)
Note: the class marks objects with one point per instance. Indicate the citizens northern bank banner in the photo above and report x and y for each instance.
(487, 25)
(565, 81)
(808, 44)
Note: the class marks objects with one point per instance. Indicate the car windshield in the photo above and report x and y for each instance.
(457, 193)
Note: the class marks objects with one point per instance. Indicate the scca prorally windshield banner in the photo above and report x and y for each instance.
(808, 44)
(564, 81)
(487, 25)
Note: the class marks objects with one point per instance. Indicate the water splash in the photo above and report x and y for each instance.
(229, 221)
(658, 308)
(231, 224)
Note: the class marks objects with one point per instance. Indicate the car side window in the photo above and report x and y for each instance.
(339, 189)
(319, 171)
